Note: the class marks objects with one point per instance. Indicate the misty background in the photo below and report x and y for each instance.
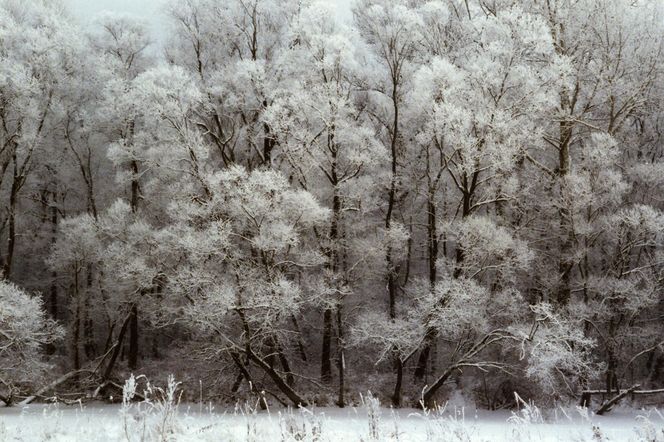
(152, 11)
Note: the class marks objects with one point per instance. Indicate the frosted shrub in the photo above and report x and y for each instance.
(647, 431)
(250, 413)
(24, 331)
(523, 420)
(372, 405)
(155, 417)
(584, 412)
(132, 418)
(449, 429)
(164, 407)
(305, 426)
(442, 426)
(528, 413)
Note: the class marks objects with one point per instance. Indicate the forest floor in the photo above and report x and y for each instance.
(98, 422)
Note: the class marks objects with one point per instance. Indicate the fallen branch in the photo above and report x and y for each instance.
(61, 380)
(611, 402)
(656, 391)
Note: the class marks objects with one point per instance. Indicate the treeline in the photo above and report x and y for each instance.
(440, 195)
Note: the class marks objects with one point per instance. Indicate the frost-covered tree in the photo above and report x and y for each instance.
(38, 57)
(237, 257)
(476, 110)
(232, 49)
(330, 150)
(25, 330)
(391, 30)
(118, 244)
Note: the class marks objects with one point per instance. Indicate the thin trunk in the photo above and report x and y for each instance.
(392, 268)
(133, 321)
(283, 386)
(423, 360)
(88, 329)
(77, 323)
(268, 145)
(133, 338)
(564, 264)
(326, 364)
(11, 221)
(341, 362)
(466, 210)
(53, 295)
(244, 373)
(290, 379)
(117, 348)
(300, 344)
(333, 257)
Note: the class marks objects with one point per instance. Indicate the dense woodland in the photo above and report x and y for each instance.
(436, 198)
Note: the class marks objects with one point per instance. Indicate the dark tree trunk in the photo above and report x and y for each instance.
(429, 393)
(133, 321)
(396, 396)
(564, 264)
(430, 336)
(88, 328)
(300, 344)
(268, 145)
(133, 338)
(283, 386)
(392, 267)
(11, 221)
(333, 256)
(341, 363)
(117, 348)
(76, 332)
(244, 373)
(326, 364)
(135, 187)
(53, 292)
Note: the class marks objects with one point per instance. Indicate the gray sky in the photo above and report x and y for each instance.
(151, 10)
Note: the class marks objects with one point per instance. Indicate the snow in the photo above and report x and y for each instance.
(96, 422)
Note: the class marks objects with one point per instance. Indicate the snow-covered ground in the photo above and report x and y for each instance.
(111, 423)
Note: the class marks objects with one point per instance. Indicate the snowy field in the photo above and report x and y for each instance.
(188, 423)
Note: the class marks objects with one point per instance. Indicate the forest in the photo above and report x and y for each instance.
(432, 199)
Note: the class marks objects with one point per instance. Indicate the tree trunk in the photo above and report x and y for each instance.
(133, 338)
(333, 256)
(62, 379)
(133, 322)
(77, 323)
(244, 373)
(11, 221)
(396, 396)
(564, 265)
(341, 363)
(300, 344)
(268, 145)
(88, 328)
(53, 294)
(392, 269)
(326, 364)
(429, 393)
(283, 386)
(423, 360)
(117, 348)
(607, 406)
